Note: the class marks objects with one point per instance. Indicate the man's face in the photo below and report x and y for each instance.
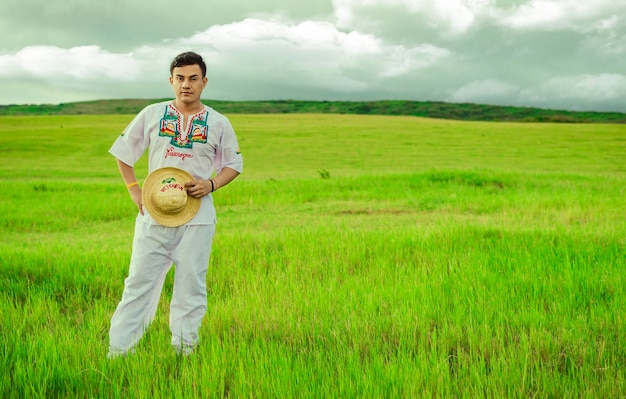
(188, 83)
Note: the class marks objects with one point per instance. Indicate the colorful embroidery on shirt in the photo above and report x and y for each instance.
(171, 127)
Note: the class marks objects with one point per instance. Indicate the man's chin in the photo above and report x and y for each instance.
(187, 99)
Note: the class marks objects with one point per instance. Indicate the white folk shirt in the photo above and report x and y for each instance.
(206, 145)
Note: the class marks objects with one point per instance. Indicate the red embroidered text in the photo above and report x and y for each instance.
(171, 152)
(175, 186)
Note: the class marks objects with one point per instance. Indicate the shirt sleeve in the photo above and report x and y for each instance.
(133, 142)
(228, 154)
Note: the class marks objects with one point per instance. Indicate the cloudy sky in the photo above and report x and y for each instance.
(565, 54)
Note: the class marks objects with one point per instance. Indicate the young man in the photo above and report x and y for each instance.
(188, 135)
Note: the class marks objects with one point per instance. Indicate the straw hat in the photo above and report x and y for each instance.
(165, 197)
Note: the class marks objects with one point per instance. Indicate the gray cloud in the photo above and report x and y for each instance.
(547, 53)
(123, 25)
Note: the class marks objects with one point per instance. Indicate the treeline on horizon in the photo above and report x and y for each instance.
(428, 109)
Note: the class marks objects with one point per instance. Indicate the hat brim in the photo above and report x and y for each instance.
(154, 182)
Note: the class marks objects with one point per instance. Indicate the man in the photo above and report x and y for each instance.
(183, 134)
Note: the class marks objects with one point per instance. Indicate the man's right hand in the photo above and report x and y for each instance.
(135, 194)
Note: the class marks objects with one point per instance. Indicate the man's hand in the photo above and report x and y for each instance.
(198, 188)
(135, 194)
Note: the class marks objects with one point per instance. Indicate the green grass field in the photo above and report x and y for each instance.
(357, 256)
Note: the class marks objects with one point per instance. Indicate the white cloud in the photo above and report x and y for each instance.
(485, 91)
(572, 92)
(310, 54)
(450, 17)
(601, 87)
(309, 35)
(87, 63)
(553, 15)
(401, 60)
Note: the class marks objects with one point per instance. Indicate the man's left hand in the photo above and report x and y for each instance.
(198, 188)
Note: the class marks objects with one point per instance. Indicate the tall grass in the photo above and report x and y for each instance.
(355, 257)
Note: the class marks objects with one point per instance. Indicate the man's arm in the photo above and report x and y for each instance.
(128, 175)
(200, 188)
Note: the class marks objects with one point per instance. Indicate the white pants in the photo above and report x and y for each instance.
(155, 248)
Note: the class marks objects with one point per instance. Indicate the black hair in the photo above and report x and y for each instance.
(188, 58)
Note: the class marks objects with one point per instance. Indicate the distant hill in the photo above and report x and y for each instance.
(430, 109)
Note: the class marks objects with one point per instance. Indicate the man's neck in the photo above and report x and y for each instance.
(188, 109)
